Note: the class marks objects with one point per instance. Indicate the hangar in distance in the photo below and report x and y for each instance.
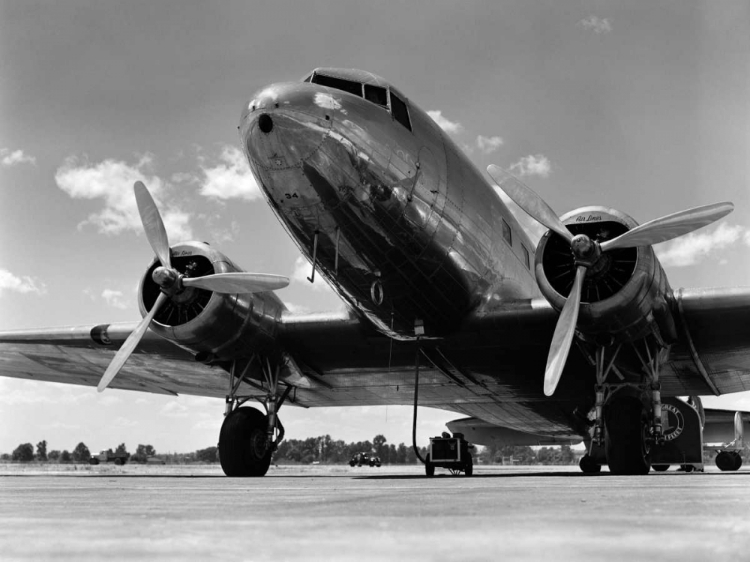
(579, 339)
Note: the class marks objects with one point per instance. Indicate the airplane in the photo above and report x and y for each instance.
(448, 303)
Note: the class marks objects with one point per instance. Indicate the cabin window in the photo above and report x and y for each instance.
(507, 234)
(526, 259)
(376, 94)
(338, 83)
(399, 110)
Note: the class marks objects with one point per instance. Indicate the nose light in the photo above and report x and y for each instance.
(265, 123)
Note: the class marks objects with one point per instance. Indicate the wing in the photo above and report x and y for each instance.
(490, 369)
(726, 426)
(713, 354)
(80, 354)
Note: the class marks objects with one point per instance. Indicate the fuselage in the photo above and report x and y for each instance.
(383, 202)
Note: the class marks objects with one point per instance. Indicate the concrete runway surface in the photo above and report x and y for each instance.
(338, 513)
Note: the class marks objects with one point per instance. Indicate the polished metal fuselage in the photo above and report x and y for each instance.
(408, 230)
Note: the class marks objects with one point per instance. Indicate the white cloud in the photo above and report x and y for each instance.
(692, 248)
(220, 232)
(489, 144)
(114, 299)
(184, 177)
(112, 181)
(596, 24)
(231, 178)
(445, 124)
(174, 410)
(532, 165)
(14, 392)
(10, 157)
(23, 284)
(296, 308)
(302, 270)
(123, 422)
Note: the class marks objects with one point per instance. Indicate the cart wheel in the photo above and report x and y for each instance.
(429, 468)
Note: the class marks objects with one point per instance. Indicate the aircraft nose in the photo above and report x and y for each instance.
(284, 124)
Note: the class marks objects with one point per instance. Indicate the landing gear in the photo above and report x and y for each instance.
(729, 460)
(244, 449)
(625, 443)
(660, 467)
(588, 465)
(248, 438)
(628, 410)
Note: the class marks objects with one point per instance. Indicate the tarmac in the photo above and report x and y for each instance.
(358, 514)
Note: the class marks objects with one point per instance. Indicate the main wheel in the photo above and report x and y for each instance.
(589, 465)
(243, 443)
(660, 467)
(625, 443)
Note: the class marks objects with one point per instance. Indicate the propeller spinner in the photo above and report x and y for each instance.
(171, 281)
(587, 253)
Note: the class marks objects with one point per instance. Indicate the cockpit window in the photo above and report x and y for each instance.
(376, 94)
(338, 83)
(399, 110)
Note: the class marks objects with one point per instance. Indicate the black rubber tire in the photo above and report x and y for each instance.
(660, 467)
(469, 468)
(243, 444)
(624, 442)
(119, 462)
(588, 465)
(725, 461)
(429, 468)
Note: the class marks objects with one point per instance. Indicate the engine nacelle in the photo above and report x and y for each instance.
(214, 325)
(624, 295)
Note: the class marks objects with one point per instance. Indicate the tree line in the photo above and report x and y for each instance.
(323, 450)
(80, 454)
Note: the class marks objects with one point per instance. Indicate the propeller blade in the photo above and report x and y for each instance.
(523, 196)
(130, 344)
(671, 226)
(563, 337)
(237, 282)
(152, 223)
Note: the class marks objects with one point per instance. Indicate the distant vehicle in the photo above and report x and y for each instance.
(366, 459)
(109, 456)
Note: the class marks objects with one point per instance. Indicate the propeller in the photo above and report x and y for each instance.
(172, 282)
(587, 253)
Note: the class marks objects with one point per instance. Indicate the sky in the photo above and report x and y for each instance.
(638, 106)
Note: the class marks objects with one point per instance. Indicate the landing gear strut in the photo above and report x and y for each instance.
(248, 438)
(622, 423)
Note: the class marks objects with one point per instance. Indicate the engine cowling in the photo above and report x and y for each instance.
(624, 295)
(213, 325)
